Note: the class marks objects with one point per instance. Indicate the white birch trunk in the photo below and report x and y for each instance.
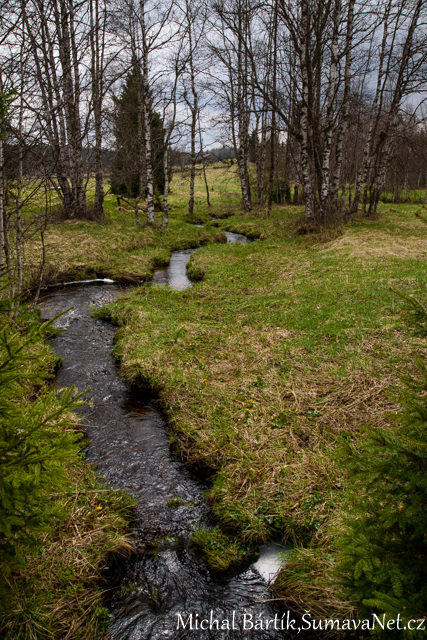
(97, 108)
(1, 201)
(146, 119)
(165, 220)
(342, 130)
(308, 186)
(149, 168)
(330, 115)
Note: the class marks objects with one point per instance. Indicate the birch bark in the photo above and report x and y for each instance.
(97, 93)
(330, 111)
(1, 189)
(147, 118)
(194, 108)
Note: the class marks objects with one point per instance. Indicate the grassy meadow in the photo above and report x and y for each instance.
(282, 346)
(119, 249)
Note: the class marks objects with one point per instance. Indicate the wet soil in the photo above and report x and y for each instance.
(163, 586)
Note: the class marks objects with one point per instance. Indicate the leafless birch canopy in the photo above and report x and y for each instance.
(321, 94)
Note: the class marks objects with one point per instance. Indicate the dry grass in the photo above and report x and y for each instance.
(60, 592)
(119, 250)
(264, 403)
(379, 245)
(286, 344)
(309, 583)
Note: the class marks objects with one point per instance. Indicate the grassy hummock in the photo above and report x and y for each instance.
(219, 550)
(61, 588)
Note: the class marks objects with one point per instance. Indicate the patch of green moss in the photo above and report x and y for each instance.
(219, 550)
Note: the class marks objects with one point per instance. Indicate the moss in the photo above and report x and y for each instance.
(196, 218)
(195, 271)
(175, 502)
(219, 550)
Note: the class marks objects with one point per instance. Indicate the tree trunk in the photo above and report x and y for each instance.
(19, 177)
(273, 114)
(1, 198)
(146, 119)
(242, 114)
(165, 220)
(149, 168)
(97, 108)
(204, 165)
(307, 170)
(330, 113)
(342, 129)
(261, 156)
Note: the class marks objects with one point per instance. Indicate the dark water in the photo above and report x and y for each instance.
(175, 275)
(236, 237)
(163, 582)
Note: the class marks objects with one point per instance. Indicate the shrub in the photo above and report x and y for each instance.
(383, 546)
(36, 438)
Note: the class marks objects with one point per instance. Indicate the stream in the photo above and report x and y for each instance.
(165, 592)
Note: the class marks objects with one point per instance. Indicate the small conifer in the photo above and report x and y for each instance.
(37, 437)
(383, 546)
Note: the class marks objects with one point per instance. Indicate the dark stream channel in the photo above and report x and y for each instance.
(163, 584)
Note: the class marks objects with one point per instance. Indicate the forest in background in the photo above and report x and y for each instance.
(324, 97)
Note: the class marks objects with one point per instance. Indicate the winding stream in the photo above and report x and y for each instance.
(163, 586)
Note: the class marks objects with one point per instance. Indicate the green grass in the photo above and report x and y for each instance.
(286, 344)
(217, 549)
(119, 249)
(283, 345)
(58, 590)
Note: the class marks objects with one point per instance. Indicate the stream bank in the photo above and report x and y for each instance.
(163, 583)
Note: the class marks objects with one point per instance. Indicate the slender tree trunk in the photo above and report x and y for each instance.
(297, 178)
(307, 175)
(193, 159)
(204, 165)
(97, 107)
(194, 108)
(273, 113)
(261, 156)
(272, 161)
(342, 130)
(42, 262)
(147, 119)
(141, 139)
(1, 204)
(19, 177)
(242, 113)
(149, 168)
(8, 252)
(1, 189)
(330, 112)
(165, 220)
